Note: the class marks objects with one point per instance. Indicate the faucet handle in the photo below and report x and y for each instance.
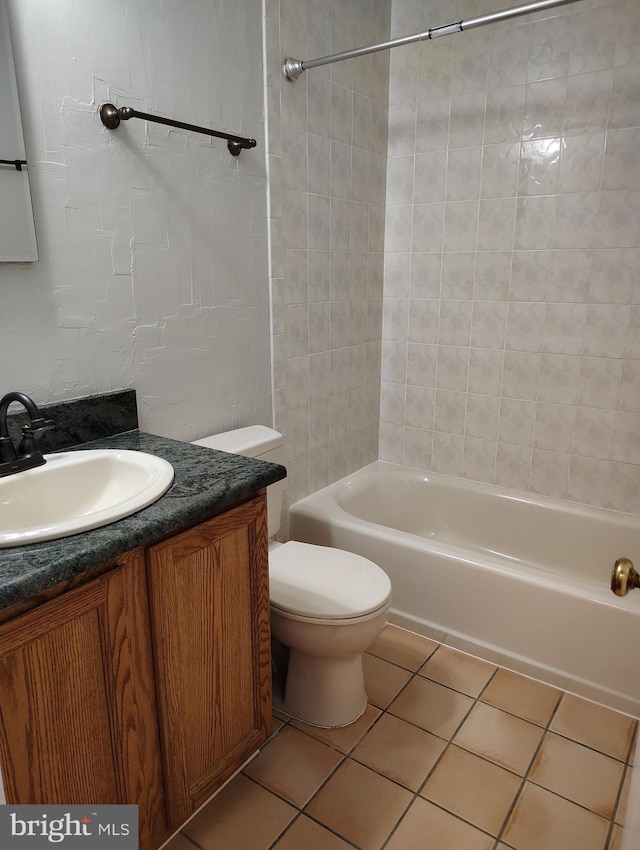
(37, 426)
(30, 432)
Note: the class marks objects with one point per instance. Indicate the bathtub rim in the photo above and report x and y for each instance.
(566, 505)
(326, 509)
(325, 505)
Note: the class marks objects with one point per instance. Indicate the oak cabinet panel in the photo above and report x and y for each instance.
(210, 627)
(78, 707)
(150, 684)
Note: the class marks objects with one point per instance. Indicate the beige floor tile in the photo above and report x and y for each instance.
(500, 737)
(431, 706)
(543, 821)
(179, 843)
(382, 680)
(360, 805)
(472, 788)
(305, 834)
(458, 670)
(280, 715)
(400, 751)
(342, 738)
(594, 726)
(276, 725)
(243, 816)
(427, 826)
(621, 810)
(581, 775)
(401, 647)
(294, 766)
(615, 842)
(531, 700)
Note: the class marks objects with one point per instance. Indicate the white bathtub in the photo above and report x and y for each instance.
(514, 578)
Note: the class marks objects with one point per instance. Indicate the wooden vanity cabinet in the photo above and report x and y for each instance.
(77, 700)
(209, 598)
(150, 684)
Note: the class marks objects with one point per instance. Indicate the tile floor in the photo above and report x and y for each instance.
(453, 753)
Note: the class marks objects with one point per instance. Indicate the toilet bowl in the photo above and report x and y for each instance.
(327, 605)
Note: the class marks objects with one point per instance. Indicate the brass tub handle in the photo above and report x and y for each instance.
(623, 577)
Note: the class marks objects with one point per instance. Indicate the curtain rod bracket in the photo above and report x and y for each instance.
(292, 68)
(111, 117)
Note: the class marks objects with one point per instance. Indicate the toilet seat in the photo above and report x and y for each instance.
(320, 583)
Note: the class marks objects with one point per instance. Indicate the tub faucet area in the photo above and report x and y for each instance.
(27, 455)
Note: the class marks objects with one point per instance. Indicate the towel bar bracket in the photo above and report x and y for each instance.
(16, 163)
(111, 117)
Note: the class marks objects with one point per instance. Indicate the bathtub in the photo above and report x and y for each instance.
(517, 579)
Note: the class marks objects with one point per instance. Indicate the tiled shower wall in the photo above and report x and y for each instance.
(327, 141)
(511, 349)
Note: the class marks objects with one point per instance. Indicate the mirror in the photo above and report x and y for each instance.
(17, 231)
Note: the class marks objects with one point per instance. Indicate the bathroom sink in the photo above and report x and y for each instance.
(77, 491)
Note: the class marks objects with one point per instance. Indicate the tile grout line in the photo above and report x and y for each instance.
(628, 767)
(448, 742)
(523, 784)
(525, 778)
(417, 795)
(561, 691)
(188, 838)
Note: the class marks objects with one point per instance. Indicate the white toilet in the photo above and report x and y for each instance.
(327, 605)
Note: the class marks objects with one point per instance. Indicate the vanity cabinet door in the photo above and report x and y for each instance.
(77, 702)
(209, 599)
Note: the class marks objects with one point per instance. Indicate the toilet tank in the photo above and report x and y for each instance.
(260, 442)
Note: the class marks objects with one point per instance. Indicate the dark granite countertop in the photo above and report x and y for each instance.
(206, 484)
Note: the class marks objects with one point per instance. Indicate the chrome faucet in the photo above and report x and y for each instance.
(27, 455)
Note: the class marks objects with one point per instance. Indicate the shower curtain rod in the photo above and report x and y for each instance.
(292, 68)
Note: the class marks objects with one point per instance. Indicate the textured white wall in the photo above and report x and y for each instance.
(152, 241)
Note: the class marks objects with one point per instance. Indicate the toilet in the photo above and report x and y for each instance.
(327, 605)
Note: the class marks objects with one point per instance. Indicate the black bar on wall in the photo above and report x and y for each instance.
(111, 117)
(16, 163)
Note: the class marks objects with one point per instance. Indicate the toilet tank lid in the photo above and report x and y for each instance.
(252, 441)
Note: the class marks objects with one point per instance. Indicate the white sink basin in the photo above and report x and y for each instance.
(77, 491)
